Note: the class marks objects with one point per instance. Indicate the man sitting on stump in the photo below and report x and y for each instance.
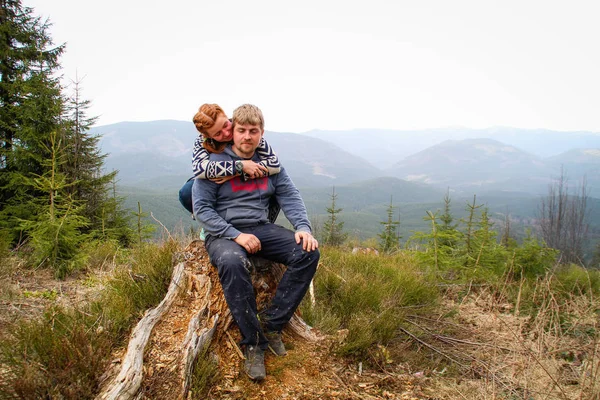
(235, 218)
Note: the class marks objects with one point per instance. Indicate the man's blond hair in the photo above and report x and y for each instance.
(248, 114)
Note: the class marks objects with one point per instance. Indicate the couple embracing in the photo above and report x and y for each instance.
(238, 177)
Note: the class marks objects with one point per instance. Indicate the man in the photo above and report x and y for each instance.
(235, 219)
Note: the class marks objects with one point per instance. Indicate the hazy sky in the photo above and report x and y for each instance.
(337, 64)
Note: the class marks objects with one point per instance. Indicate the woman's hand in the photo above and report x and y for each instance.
(221, 180)
(254, 170)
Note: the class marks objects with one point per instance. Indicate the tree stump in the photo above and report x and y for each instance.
(166, 342)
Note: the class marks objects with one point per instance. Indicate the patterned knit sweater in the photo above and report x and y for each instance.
(205, 169)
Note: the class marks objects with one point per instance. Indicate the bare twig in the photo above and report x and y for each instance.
(518, 304)
(161, 224)
(433, 348)
(227, 322)
(341, 382)
(443, 338)
(451, 339)
(235, 346)
(439, 320)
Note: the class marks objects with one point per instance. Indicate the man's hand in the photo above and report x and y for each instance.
(248, 242)
(254, 170)
(309, 243)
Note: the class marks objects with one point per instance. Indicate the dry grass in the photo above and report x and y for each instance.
(490, 351)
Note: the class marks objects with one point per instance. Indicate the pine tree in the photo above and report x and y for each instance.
(55, 230)
(115, 221)
(33, 112)
(84, 161)
(333, 228)
(431, 254)
(470, 226)
(449, 235)
(389, 239)
(443, 243)
(437, 253)
(30, 108)
(144, 231)
(488, 253)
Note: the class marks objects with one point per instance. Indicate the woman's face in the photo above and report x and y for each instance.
(222, 130)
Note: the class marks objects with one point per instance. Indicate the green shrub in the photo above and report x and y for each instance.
(368, 295)
(576, 280)
(100, 254)
(57, 356)
(137, 287)
(533, 258)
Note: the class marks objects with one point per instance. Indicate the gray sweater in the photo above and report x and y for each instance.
(223, 209)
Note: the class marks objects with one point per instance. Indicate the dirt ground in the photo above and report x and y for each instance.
(473, 348)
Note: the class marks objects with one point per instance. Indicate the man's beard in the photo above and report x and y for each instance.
(246, 147)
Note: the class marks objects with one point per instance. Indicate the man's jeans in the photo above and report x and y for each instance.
(277, 244)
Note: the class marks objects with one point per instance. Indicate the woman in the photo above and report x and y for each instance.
(216, 131)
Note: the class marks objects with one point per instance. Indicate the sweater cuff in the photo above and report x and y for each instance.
(303, 228)
(231, 233)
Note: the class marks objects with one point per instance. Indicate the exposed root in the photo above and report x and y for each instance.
(128, 382)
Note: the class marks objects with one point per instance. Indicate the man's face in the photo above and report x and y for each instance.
(221, 131)
(246, 138)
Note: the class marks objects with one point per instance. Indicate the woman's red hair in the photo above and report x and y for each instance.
(205, 118)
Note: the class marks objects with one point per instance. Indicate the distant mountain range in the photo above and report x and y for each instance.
(471, 164)
(158, 154)
(387, 147)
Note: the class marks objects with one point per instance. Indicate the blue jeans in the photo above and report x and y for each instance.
(277, 244)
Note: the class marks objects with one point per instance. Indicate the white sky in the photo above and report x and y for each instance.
(337, 64)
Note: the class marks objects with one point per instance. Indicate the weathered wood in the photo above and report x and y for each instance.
(196, 337)
(195, 341)
(129, 379)
(199, 281)
(302, 329)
